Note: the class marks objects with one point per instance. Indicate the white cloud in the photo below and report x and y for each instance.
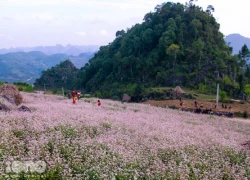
(81, 33)
(44, 17)
(28, 3)
(103, 32)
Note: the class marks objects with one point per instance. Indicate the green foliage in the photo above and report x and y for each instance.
(172, 49)
(244, 51)
(23, 86)
(20, 84)
(54, 91)
(1, 83)
(247, 90)
(28, 88)
(62, 75)
(223, 95)
(20, 88)
(242, 81)
(97, 94)
(227, 80)
(202, 87)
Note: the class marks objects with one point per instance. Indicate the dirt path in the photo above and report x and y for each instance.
(236, 107)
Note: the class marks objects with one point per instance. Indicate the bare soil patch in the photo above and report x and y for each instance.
(236, 107)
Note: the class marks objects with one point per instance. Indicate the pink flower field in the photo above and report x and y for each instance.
(121, 141)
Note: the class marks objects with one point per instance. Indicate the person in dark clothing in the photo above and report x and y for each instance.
(69, 96)
(245, 114)
(195, 104)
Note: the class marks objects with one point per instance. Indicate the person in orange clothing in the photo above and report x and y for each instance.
(99, 103)
(74, 100)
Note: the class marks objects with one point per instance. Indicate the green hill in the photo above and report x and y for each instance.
(62, 75)
(175, 45)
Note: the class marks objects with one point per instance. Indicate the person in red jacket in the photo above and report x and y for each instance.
(73, 93)
(99, 103)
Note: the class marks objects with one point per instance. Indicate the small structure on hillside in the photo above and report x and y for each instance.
(177, 91)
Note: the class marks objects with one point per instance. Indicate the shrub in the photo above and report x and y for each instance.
(54, 91)
(247, 90)
(223, 95)
(28, 88)
(202, 87)
(97, 94)
(20, 88)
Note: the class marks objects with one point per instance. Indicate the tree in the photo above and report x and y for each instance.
(242, 82)
(172, 50)
(223, 95)
(120, 33)
(210, 9)
(244, 51)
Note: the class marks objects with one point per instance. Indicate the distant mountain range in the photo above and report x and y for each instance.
(72, 50)
(26, 67)
(237, 41)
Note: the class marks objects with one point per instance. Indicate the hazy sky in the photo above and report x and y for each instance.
(26, 23)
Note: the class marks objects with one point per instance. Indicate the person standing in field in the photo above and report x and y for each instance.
(195, 104)
(245, 114)
(73, 93)
(69, 96)
(99, 103)
(74, 100)
(78, 95)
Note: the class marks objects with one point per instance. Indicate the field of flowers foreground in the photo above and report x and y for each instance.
(121, 141)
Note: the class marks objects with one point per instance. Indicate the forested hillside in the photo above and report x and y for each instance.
(175, 45)
(62, 75)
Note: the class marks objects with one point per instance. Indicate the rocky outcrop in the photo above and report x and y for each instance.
(11, 93)
(126, 98)
(24, 109)
(10, 98)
